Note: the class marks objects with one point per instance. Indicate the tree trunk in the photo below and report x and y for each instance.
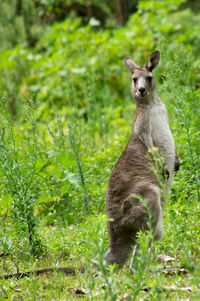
(119, 12)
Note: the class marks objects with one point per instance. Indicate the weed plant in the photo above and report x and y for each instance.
(18, 178)
(75, 141)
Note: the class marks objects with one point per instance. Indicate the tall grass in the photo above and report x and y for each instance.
(75, 143)
(18, 177)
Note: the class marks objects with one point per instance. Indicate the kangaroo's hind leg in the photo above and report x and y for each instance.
(120, 246)
(136, 213)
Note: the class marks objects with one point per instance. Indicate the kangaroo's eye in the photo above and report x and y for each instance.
(135, 80)
(149, 78)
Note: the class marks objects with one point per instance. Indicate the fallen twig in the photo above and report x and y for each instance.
(66, 271)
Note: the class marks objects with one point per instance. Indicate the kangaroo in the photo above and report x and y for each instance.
(133, 174)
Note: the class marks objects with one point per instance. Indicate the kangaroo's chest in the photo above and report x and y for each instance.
(161, 134)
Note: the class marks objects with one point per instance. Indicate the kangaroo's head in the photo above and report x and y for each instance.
(143, 83)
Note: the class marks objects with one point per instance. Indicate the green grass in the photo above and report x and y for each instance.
(74, 246)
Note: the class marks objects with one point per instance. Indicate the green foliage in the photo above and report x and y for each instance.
(56, 158)
(70, 63)
(19, 23)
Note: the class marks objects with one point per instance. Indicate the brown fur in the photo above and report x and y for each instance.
(131, 175)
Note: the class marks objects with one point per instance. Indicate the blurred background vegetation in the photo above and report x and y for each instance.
(66, 109)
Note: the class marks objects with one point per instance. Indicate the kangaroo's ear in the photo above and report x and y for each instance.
(130, 64)
(152, 61)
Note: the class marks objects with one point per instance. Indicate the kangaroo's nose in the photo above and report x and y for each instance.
(141, 90)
